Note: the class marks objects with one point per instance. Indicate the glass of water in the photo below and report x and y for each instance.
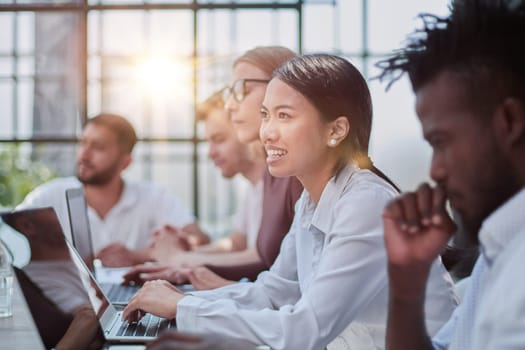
(6, 284)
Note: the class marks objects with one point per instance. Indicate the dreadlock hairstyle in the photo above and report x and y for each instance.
(480, 44)
(336, 88)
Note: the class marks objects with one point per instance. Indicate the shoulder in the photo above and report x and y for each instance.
(364, 183)
(56, 186)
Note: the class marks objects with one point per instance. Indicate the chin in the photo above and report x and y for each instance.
(275, 171)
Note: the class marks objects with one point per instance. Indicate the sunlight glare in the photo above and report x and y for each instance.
(160, 76)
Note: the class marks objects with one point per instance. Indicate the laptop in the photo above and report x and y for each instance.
(58, 260)
(108, 278)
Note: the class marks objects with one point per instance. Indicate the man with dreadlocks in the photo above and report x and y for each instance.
(468, 75)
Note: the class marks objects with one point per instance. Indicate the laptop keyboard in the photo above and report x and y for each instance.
(148, 326)
(119, 294)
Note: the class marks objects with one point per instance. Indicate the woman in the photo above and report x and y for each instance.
(329, 278)
(250, 76)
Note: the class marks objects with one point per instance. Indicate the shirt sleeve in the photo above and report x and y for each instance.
(350, 275)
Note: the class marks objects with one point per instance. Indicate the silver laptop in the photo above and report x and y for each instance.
(81, 236)
(57, 259)
(82, 240)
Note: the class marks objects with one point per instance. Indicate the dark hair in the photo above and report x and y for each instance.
(120, 126)
(336, 88)
(480, 44)
(212, 103)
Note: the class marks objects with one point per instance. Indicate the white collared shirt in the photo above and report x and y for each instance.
(141, 208)
(330, 273)
(492, 314)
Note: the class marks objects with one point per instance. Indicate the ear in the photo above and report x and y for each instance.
(339, 129)
(509, 123)
(125, 161)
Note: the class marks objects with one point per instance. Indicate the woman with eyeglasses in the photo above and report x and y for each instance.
(250, 76)
(328, 286)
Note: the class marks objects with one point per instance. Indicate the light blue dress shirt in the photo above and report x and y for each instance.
(492, 313)
(330, 275)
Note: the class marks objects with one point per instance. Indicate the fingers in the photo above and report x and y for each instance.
(416, 210)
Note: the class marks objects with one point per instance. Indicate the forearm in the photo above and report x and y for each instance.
(406, 328)
(234, 242)
(228, 258)
(140, 256)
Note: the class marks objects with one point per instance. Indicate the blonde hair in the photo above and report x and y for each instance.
(266, 58)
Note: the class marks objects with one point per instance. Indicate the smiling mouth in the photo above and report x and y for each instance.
(274, 154)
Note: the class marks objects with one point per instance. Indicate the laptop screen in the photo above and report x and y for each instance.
(54, 282)
(79, 222)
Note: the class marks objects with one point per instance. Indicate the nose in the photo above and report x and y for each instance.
(212, 151)
(438, 171)
(230, 104)
(267, 131)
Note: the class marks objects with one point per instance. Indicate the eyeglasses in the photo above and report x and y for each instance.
(238, 89)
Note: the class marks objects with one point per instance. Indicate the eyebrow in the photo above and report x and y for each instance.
(282, 106)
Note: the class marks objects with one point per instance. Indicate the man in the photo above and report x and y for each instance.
(122, 214)
(468, 75)
(232, 157)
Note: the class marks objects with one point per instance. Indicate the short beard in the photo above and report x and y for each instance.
(99, 179)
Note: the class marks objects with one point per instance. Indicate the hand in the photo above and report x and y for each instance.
(116, 255)
(203, 278)
(143, 273)
(417, 228)
(184, 341)
(167, 242)
(157, 297)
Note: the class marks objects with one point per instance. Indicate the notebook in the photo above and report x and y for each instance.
(58, 261)
(108, 278)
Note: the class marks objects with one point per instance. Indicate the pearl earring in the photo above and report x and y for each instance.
(333, 142)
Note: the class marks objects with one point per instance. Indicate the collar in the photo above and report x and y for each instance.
(500, 227)
(332, 192)
(129, 196)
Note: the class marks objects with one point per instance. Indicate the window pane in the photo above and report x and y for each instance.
(233, 32)
(6, 108)
(6, 67)
(396, 134)
(6, 28)
(25, 27)
(390, 21)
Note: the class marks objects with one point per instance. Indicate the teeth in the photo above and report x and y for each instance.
(275, 153)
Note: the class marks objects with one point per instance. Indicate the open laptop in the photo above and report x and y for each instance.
(57, 260)
(108, 278)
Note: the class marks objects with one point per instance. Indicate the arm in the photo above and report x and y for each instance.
(350, 278)
(417, 229)
(232, 243)
(192, 259)
(116, 255)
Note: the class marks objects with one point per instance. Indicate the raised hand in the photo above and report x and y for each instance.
(417, 229)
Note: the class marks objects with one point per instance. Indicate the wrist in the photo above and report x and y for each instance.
(407, 284)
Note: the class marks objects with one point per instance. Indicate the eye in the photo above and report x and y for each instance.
(264, 114)
(283, 115)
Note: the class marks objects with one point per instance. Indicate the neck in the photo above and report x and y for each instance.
(315, 181)
(255, 164)
(104, 197)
